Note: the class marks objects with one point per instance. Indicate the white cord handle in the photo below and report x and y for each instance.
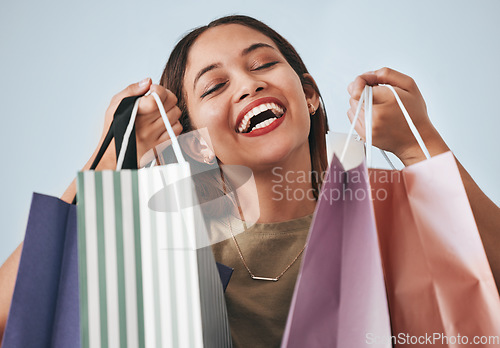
(367, 99)
(413, 129)
(353, 124)
(130, 126)
(368, 124)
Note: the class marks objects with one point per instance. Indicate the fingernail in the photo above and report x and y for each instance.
(144, 82)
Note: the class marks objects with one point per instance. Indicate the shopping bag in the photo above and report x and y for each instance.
(48, 270)
(340, 298)
(147, 278)
(44, 309)
(48, 267)
(440, 287)
(439, 281)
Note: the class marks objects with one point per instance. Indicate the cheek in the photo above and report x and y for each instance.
(211, 115)
(290, 82)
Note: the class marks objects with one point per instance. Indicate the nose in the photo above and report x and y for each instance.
(248, 86)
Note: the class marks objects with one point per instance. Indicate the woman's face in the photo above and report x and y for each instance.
(240, 87)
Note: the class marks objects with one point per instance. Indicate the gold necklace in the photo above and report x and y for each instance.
(253, 276)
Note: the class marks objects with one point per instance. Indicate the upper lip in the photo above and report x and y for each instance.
(255, 103)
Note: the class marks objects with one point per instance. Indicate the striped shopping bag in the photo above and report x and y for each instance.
(147, 277)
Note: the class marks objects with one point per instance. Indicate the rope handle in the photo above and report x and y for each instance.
(130, 126)
(367, 99)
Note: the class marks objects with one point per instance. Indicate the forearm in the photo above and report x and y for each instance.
(487, 216)
(8, 274)
(391, 132)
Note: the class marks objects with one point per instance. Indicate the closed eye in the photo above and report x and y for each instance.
(222, 84)
(267, 65)
(213, 89)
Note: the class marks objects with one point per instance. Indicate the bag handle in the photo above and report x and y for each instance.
(367, 99)
(117, 130)
(128, 131)
(123, 134)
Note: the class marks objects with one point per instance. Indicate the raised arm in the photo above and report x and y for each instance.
(391, 133)
(150, 131)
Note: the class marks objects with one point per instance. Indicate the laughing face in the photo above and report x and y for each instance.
(240, 87)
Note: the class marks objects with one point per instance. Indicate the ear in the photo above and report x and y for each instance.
(198, 146)
(310, 87)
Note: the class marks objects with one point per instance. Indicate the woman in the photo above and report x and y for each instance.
(215, 76)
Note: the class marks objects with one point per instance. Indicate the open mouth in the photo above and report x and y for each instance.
(260, 116)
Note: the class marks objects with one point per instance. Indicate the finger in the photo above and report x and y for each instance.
(177, 128)
(381, 76)
(154, 119)
(395, 79)
(164, 94)
(356, 87)
(360, 125)
(353, 103)
(148, 104)
(382, 94)
(360, 122)
(138, 88)
(174, 114)
(173, 117)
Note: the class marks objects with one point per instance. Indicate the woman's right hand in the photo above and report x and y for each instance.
(150, 130)
(149, 127)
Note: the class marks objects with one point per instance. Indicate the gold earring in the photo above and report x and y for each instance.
(311, 108)
(208, 160)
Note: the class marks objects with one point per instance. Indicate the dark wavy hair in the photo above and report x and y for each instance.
(173, 76)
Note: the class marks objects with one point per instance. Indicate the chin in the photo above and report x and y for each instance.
(278, 154)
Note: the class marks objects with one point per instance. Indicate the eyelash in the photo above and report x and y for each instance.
(213, 89)
(220, 85)
(267, 65)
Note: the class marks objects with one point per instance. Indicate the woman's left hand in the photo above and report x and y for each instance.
(390, 130)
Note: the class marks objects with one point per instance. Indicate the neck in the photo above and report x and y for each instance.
(284, 191)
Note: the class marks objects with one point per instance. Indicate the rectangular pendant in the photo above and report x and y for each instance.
(264, 278)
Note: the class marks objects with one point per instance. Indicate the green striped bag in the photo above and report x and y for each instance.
(147, 278)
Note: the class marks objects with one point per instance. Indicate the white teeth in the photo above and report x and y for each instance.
(245, 122)
(264, 123)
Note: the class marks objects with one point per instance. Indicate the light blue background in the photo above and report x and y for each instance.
(62, 61)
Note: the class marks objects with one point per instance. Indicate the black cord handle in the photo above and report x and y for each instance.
(121, 119)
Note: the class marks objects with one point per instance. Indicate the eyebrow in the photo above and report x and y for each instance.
(254, 47)
(245, 52)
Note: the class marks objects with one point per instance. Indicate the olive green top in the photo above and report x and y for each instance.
(258, 309)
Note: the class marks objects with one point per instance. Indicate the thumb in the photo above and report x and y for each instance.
(137, 88)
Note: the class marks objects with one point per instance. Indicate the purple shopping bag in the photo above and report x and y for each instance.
(340, 298)
(44, 310)
(45, 305)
